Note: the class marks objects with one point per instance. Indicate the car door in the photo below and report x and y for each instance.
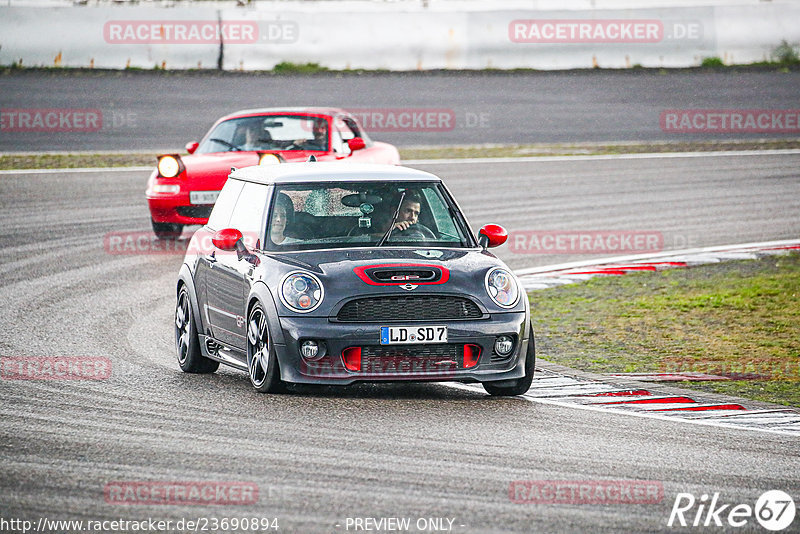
(207, 253)
(229, 277)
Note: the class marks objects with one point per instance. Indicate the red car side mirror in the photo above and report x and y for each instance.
(191, 147)
(356, 143)
(492, 235)
(226, 239)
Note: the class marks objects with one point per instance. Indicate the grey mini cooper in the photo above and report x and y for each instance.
(331, 273)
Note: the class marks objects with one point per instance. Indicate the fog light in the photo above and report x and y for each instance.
(503, 345)
(309, 349)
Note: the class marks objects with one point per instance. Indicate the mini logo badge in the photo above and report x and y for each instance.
(239, 321)
(409, 287)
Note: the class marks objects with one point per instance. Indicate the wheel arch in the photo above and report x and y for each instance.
(185, 279)
(261, 293)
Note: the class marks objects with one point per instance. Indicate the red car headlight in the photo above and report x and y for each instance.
(268, 158)
(170, 166)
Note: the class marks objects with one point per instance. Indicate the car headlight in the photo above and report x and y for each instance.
(301, 292)
(268, 159)
(169, 166)
(502, 287)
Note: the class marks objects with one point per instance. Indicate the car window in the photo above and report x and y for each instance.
(444, 221)
(223, 207)
(248, 213)
(267, 132)
(341, 134)
(337, 144)
(347, 214)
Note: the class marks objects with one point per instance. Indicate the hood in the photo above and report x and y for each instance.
(218, 164)
(354, 272)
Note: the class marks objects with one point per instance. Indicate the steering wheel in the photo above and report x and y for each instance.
(416, 230)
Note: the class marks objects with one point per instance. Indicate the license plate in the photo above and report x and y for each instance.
(203, 197)
(396, 335)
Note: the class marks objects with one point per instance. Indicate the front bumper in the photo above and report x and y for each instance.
(177, 209)
(410, 362)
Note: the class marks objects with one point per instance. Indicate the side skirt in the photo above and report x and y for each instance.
(212, 349)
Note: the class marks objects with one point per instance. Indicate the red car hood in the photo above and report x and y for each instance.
(214, 168)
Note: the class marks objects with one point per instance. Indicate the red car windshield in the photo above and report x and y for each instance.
(268, 132)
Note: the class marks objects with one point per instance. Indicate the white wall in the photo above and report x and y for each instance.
(398, 39)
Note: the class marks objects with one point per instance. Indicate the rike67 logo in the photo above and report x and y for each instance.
(774, 510)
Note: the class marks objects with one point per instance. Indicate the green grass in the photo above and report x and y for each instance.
(741, 319)
(287, 67)
(712, 62)
(73, 161)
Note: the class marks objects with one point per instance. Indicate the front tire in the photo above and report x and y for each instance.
(262, 362)
(167, 230)
(522, 384)
(187, 343)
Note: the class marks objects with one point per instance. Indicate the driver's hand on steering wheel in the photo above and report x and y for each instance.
(403, 225)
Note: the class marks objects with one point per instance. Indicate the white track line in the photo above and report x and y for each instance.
(649, 155)
(78, 170)
(520, 159)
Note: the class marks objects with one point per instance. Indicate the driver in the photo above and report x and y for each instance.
(320, 139)
(407, 223)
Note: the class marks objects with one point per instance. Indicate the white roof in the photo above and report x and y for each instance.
(281, 173)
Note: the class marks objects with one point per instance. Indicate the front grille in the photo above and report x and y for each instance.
(200, 212)
(409, 308)
(411, 359)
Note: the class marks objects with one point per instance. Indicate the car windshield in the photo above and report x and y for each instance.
(268, 132)
(337, 215)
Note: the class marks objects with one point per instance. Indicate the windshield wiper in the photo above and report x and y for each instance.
(231, 146)
(394, 219)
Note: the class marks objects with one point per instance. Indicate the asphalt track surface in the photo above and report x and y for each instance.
(145, 110)
(322, 455)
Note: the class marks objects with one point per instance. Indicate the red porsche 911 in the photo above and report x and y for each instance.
(182, 190)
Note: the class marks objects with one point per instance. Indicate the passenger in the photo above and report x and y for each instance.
(255, 137)
(282, 216)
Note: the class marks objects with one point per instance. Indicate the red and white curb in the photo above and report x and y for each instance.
(570, 273)
(559, 389)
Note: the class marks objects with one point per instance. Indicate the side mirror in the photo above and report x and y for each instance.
(191, 147)
(492, 235)
(356, 143)
(226, 239)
